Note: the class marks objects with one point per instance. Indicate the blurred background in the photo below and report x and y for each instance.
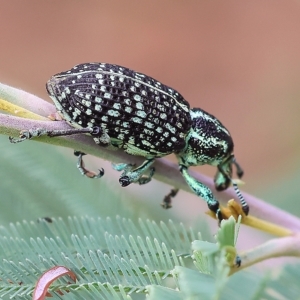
(238, 60)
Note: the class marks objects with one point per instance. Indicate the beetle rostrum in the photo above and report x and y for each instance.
(141, 116)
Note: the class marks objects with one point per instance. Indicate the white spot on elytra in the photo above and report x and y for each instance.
(160, 107)
(125, 131)
(99, 76)
(98, 100)
(159, 129)
(104, 118)
(146, 143)
(137, 97)
(127, 101)
(141, 113)
(117, 106)
(128, 109)
(149, 132)
(149, 125)
(137, 120)
(139, 105)
(77, 111)
(98, 107)
(103, 88)
(113, 113)
(107, 95)
(88, 112)
(86, 103)
(171, 128)
(67, 90)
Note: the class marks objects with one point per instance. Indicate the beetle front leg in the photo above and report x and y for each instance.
(131, 174)
(202, 191)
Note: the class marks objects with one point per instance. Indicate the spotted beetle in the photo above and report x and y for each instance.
(141, 116)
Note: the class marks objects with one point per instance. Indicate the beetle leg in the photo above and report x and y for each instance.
(102, 137)
(83, 170)
(131, 174)
(239, 170)
(225, 173)
(147, 178)
(123, 167)
(167, 202)
(202, 191)
(32, 133)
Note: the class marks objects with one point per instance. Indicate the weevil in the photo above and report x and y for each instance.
(138, 114)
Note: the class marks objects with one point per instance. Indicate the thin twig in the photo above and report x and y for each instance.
(285, 246)
(166, 171)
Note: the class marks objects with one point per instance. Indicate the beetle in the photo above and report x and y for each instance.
(138, 114)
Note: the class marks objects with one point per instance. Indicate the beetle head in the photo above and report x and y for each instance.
(209, 142)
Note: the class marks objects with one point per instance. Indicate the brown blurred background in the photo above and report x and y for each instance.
(239, 60)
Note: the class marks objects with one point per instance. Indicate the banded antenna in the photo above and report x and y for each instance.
(244, 204)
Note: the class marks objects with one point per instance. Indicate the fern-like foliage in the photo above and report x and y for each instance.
(113, 258)
(117, 259)
(105, 255)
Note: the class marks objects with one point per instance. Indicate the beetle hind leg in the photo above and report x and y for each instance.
(131, 174)
(167, 202)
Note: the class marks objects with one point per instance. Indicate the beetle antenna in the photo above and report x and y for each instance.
(244, 204)
(239, 170)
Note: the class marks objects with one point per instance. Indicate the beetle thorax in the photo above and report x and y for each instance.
(208, 141)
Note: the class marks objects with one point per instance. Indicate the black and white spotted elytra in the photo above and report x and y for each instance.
(140, 115)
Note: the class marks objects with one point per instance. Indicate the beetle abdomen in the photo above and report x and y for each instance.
(135, 110)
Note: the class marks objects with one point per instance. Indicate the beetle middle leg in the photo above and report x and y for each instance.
(83, 170)
(131, 174)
